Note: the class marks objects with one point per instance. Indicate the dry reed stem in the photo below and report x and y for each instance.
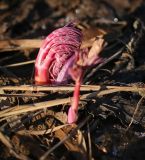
(23, 95)
(42, 105)
(19, 64)
(35, 88)
(41, 132)
(19, 44)
(36, 106)
(23, 44)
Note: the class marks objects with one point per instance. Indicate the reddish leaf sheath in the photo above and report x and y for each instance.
(77, 75)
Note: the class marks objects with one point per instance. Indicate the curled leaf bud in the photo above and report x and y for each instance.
(57, 54)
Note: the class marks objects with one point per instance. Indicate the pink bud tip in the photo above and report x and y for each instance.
(72, 116)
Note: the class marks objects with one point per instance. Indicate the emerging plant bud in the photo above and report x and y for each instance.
(57, 54)
(60, 58)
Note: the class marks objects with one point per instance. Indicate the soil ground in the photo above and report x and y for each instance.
(33, 119)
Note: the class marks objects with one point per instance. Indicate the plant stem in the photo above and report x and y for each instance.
(73, 110)
(76, 96)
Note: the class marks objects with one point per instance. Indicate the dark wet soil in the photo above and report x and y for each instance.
(113, 124)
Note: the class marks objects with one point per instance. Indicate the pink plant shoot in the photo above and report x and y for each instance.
(84, 59)
(60, 59)
(57, 54)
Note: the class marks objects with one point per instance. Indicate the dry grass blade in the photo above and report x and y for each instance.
(71, 88)
(49, 88)
(20, 64)
(33, 107)
(36, 106)
(22, 44)
(23, 95)
(42, 105)
(41, 132)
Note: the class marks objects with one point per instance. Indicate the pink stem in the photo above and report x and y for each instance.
(73, 110)
(76, 96)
